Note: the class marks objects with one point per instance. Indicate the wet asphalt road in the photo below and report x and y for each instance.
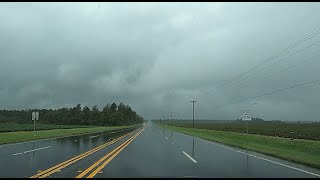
(43, 154)
(155, 152)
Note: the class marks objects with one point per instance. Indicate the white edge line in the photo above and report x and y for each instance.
(31, 150)
(274, 162)
(318, 175)
(94, 136)
(189, 157)
(37, 149)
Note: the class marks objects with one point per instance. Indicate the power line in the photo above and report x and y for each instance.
(290, 67)
(272, 57)
(278, 61)
(275, 63)
(266, 94)
(281, 52)
(287, 68)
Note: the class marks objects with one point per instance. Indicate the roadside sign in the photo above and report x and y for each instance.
(246, 116)
(35, 116)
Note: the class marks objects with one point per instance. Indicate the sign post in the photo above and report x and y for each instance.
(246, 116)
(35, 116)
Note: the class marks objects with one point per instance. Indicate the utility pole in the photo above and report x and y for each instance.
(193, 101)
(171, 118)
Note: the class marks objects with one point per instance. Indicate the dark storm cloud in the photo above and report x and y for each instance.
(156, 57)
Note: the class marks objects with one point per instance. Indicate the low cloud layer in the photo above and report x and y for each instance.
(156, 57)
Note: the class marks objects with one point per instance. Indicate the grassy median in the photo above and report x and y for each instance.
(300, 151)
(21, 136)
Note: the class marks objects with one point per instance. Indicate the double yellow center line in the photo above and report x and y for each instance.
(107, 158)
(58, 167)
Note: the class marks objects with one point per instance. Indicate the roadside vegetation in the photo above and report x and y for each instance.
(13, 127)
(17, 126)
(110, 115)
(296, 150)
(295, 130)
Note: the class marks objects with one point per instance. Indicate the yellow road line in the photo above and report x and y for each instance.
(83, 156)
(75, 159)
(70, 160)
(57, 167)
(98, 162)
(114, 155)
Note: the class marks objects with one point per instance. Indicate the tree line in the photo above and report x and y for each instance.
(110, 115)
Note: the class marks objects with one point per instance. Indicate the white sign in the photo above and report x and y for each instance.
(246, 116)
(35, 116)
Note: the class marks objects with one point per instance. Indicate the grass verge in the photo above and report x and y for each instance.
(300, 151)
(22, 136)
(14, 127)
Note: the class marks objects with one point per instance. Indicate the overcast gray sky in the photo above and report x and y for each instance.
(156, 57)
